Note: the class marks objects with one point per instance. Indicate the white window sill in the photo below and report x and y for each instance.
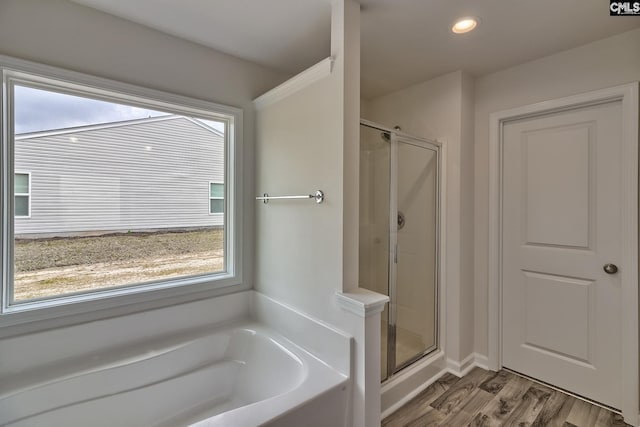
(37, 316)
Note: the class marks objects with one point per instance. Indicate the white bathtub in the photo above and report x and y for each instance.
(243, 374)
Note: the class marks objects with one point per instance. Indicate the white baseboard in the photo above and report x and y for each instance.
(462, 368)
(481, 361)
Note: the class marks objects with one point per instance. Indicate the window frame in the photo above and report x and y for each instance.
(216, 198)
(28, 194)
(72, 308)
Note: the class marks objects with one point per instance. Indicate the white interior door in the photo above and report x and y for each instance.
(561, 212)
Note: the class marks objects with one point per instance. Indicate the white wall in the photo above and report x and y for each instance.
(604, 63)
(467, 217)
(67, 35)
(307, 141)
(440, 109)
(299, 243)
(301, 148)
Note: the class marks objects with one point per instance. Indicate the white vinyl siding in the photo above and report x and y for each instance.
(22, 194)
(216, 198)
(144, 175)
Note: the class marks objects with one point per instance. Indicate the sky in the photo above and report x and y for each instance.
(37, 110)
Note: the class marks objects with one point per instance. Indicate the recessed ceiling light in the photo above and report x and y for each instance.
(464, 25)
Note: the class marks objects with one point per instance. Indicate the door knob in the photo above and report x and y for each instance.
(610, 268)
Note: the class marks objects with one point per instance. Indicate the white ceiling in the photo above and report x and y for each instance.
(403, 41)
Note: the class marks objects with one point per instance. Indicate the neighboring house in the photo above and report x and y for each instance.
(157, 173)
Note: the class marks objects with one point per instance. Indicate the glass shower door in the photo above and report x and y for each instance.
(414, 285)
(399, 202)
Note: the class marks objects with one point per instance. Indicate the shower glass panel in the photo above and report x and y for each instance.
(375, 156)
(399, 239)
(415, 288)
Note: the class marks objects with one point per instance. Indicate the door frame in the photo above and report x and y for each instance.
(628, 95)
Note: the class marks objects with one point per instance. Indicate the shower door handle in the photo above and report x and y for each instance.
(395, 254)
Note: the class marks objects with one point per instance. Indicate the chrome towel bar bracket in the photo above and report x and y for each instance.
(318, 196)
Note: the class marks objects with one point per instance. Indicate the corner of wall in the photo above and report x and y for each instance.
(467, 191)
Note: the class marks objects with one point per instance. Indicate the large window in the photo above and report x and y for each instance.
(22, 194)
(116, 208)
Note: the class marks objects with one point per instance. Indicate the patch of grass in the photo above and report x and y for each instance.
(34, 255)
(47, 282)
(53, 267)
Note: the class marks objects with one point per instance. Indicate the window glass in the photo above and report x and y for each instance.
(217, 205)
(118, 199)
(21, 183)
(217, 190)
(21, 206)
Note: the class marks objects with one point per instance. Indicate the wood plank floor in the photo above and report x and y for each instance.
(485, 398)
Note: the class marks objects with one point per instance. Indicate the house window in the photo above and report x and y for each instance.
(119, 176)
(216, 198)
(22, 194)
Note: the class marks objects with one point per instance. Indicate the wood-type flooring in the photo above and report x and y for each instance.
(485, 398)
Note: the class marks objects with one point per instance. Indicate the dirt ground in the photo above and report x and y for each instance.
(58, 266)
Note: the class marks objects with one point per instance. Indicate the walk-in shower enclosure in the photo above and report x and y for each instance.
(399, 206)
